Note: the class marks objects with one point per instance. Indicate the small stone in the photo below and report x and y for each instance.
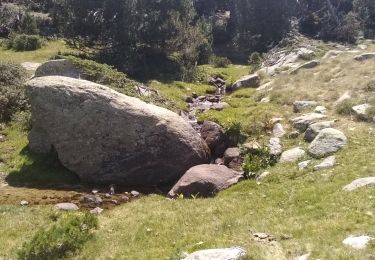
(107, 195)
(252, 147)
(275, 146)
(124, 198)
(361, 111)
(326, 163)
(134, 193)
(303, 165)
(92, 199)
(263, 237)
(66, 206)
(303, 257)
(233, 253)
(94, 192)
(292, 155)
(96, 211)
(219, 161)
(357, 242)
(278, 130)
(230, 154)
(302, 122)
(265, 100)
(320, 109)
(24, 203)
(359, 183)
(299, 106)
(262, 176)
(2, 138)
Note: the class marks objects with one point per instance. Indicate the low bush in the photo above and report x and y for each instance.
(24, 42)
(255, 162)
(12, 92)
(63, 239)
(255, 61)
(345, 107)
(234, 133)
(219, 62)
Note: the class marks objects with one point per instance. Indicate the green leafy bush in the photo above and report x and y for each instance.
(24, 42)
(255, 162)
(219, 62)
(255, 61)
(62, 239)
(12, 92)
(234, 133)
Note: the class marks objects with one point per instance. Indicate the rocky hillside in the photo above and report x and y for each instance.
(272, 165)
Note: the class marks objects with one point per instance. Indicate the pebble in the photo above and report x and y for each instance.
(96, 211)
(24, 203)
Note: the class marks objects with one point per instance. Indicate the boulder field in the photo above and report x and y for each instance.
(106, 137)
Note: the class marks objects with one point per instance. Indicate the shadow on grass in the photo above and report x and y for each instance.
(41, 171)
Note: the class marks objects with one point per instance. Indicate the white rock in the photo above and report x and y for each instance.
(303, 165)
(365, 56)
(292, 155)
(326, 163)
(232, 253)
(278, 130)
(262, 176)
(275, 146)
(96, 211)
(66, 206)
(359, 183)
(361, 111)
(24, 203)
(303, 257)
(320, 109)
(357, 242)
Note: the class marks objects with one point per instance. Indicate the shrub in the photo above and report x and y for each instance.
(234, 133)
(23, 42)
(255, 61)
(60, 240)
(345, 107)
(12, 92)
(219, 62)
(255, 162)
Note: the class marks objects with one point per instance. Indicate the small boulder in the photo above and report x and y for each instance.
(250, 81)
(359, 183)
(365, 56)
(320, 110)
(292, 155)
(361, 111)
(278, 130)
(92, 199)
(303, 165)
(357, 242)
(96, 211)
(327, 142)
(62, 67)
(299, 106)
(230, 154)
(24, 203)
(215, 138)
(326, 163)
(66, 206)
(134, 193)
(301, 123)
(275, 146)
(205, 180)
(233, 253)
(308, 65)
(314, 129)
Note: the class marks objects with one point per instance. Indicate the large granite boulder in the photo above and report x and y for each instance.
(250, 81)
(328, 142)
(62, 67)
(106, 137)
(205, 181)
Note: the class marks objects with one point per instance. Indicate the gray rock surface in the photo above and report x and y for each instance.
(359, 183)
(303, 165)
(328, 142)
(292, 155)
(365, 56)
(275, 146)
(326, 163)
(299, 106)
(230, 154)
(301, 123)
(215, 138)
(62, 67)
(106, 137)
(314, 129)
(361, 111)
(205, 181)
(66, 206)
(278, 130)
(250, 81)
(357, 242)
(308, 65)
(233, 253)
(320, 110)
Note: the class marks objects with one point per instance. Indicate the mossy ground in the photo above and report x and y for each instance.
(306, 211)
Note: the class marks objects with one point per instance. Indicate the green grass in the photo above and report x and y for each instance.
(231, 73)
(52, 48)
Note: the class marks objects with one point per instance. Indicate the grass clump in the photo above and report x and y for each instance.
(60, 240)
(345, 107)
